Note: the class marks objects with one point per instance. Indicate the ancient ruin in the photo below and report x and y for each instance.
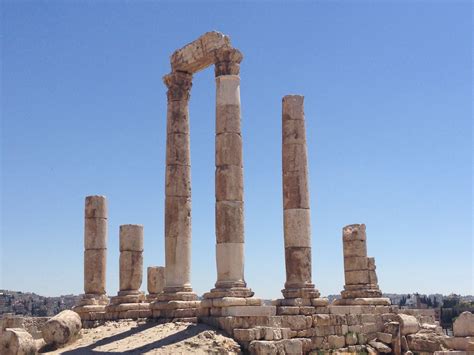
(361, 321)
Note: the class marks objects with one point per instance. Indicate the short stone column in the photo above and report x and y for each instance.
(155, 281)
(95, 257)
(127, 302)
(361, 285)
(296, 211)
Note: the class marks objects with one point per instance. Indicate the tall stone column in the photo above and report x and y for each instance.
(95, 256)
(178, 185)
(297, 228)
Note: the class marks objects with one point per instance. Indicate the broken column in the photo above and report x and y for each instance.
(297, 228)
(94, 299)
(155, 281)
(130, 300)
(359, 270)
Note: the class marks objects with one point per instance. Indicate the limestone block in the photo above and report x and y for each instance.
(228, 119)
(228, 149)
(230, 261)
(408, 324)
(94, 271)
(229, 183)
(96, 207)
(294, 132)
(295, 322)
(249, 311)
(95, 233)
(155, 279)
(356, 277)
(355, 248)
(288, 310)
(297, 228)
(354, 232)
(392, 328)
(380, 347)
(131, 237)
(293, 107)
(230, 221)
(178, 149)
(294, 157)
(384, 337)
(17, 341)
(336, 341)
(464, 325)
(321, 320)
(458, 343)
(62, 328)
(131, 270)
(424, 343)
(373, 280)
(177, 217)
(177, 117)
(355, 263)
(298, 266)
(247, 334)
(199, 54)
(295, 190)
(178, 181)
(351, 338)
(228, 90)
(178, 259)
(228, 302)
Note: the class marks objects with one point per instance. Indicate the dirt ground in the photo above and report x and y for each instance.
(130, 337)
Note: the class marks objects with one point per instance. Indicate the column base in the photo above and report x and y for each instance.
(238, 292)
(307, 291)
(128, 311)
(93, 299)
(363, 301)
(151, 297)
(361, 291)
(131, 297)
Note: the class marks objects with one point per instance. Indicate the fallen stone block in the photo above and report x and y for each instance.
(17, 341)
(62, 328)
(384, 337)
(463, 326)
(380, 347)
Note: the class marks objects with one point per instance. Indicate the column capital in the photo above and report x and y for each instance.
(227, 62)
(179, 85)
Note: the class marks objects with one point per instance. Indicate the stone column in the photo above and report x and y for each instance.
(95, 245)
(359, 270)
(178, 185)
(229, 175)
(297, 229)
(95, 256)
(131, 262)
(155, 281)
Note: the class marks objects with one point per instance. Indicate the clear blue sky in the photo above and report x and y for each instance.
(388, 99)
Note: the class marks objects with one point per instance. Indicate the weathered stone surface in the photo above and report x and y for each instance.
(380, 347)
(229, 149)
(227, 90)
(155, 279)
(355, 263)
(227, 62)
(17, 341)
(298, 266)
(336, 341)
(178, 263)
(384, 337)
(356, 277)
(293, 107)
(131, 237)
(464, 325)
(178, 181)
(131, 270)
(295, 158)
(229, 183)
(179, 86)
(408, 324)
(295, 190)
(95, 233)
(355, 248)
(230, 221)
(249, 311)
(458, 343)
(96, 207)
(294, 132)
(178, 149)
(354, 232)
(297, 228)
(94, 270)
(177, 217)
(424, 342)
(200, 53)
(351, 338)
(228, 119)
(177, 118)
(230, 258)
(63, 327)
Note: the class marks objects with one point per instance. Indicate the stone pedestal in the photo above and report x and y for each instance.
(155, 281)
(125, 304)
(94, 299)
(361, 285)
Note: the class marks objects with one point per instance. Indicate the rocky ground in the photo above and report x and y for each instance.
(131, 337)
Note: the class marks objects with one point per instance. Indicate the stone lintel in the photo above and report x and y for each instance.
(200, 53)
